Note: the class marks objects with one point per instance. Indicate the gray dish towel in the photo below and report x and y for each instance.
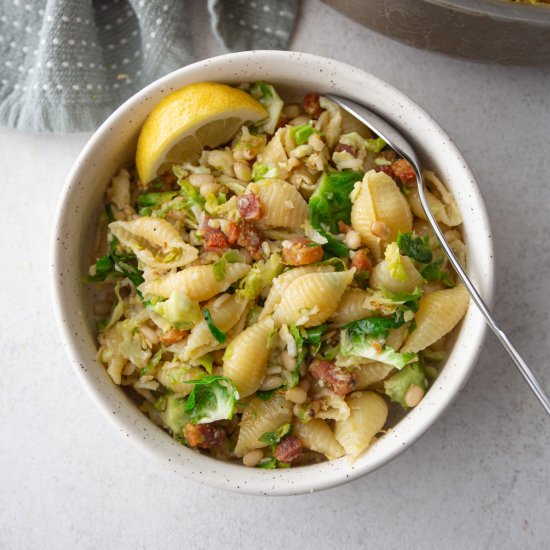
(65, 65)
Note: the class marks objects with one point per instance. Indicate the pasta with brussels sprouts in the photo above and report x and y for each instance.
(273, 299)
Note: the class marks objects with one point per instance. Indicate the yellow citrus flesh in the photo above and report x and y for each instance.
(200, 115)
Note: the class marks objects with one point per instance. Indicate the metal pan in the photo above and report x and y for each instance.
(486, 30)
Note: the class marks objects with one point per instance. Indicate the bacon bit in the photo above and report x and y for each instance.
(251, 239)
(169, 178)
(403, 171)
(289, 449)
(302, 251)
(214, 238)
(173, 335)
(386, 169)
(250, 207)
(204, 436)
(361, 261)
(389, 154)
(341, 382)
(377, 346)
(343, 227)
(347, 148)
(232, 232)
(312, 106)
(283, 121)
(215, 241)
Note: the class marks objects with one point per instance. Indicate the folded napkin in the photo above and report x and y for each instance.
(65, 65)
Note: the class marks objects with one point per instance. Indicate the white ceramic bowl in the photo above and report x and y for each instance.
(115, 142)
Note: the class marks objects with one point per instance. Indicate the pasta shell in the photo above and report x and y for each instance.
(380, 277)
(442, 203)
(280, 284)
(351, 307)
(197, 282)
(226, 311)
(260, 417)
(368, 413)
(246, 357)
(438, 314)
(317, 436)
(274, 153)
(370, 374)
(155, 242)
(282, 204)
(379, 199)
(312, 298)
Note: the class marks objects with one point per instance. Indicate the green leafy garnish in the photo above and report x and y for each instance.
(115, 264)
(373, 347)
(155, 199)
(375, 326)
(269, 98)
(302, 133)
(366, 338)
(265, 395)
(264, 171)
(375, 145)
(212, 398)
(416, 248)
(260, 276)
(302, 338)
(191, 193)
(173, 413)
(220, 336)
(433, 272)
(206, 361)
(109, 213)
(394, 262)
(408, 300)
(179, 310)
(396, 386)
(271, 464)
(267, 463)
(272, 438)
(331, 203)
(230, 257)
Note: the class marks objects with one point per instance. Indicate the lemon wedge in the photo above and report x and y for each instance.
(200, 115)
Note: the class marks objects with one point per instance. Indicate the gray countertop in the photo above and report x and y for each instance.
(480, 478)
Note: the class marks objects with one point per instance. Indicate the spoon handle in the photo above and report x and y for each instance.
(393, 138)
(504, 340)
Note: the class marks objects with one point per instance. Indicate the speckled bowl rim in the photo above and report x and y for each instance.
(68, 293)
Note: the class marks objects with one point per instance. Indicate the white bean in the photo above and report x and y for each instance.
(380, 229)
(414, 395)
(299, 120)
(199, 179)
(242, 171)
(353, 239)
(271, 383)
(296, 395)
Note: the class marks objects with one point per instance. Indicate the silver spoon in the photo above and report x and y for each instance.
(401, 146)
